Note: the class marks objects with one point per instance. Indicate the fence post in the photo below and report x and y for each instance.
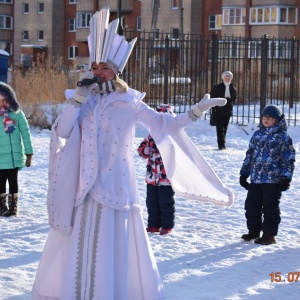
(166, 70)
(292, 72)
(214, 59)
(263, 73)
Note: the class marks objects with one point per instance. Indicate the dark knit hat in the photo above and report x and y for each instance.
(8, 93)
(273, 111)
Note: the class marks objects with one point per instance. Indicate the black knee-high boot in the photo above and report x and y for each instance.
(12, 205)
(3, 206)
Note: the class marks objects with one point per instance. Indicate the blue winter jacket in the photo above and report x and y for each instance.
(270, 155)
(15, 145)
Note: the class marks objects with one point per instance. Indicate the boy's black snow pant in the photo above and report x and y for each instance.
(262, 208)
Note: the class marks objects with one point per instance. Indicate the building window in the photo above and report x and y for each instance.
(175, 33)
(122, 23)
(234, 16)
(280, 49)
(6, 22)
(25, 8)
(270, 15)
(175, 4)
(40, 35)
(157, 34)
(285, 50)
(276, 49)
(83, 20)
(287, 15)
(6, 46)
(72, 1)
(215, 22)
(72, 24)
(40, 7)
(72, 52)
(138, 23)
(273, 15)
(25, 35)
(231, 49)
(255, 48)
(6, 1)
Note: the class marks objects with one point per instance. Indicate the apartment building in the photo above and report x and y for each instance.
(77, 17)
(60, 27)
(275, 18)
(6, 25)
(38, 28)
(242, 18)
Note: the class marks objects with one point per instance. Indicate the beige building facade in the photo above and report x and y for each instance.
(38, 27)
(60, 27)
(174, 16)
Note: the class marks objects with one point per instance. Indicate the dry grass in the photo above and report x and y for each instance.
(42, 85)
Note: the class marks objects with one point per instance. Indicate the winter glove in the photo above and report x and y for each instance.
(148, 150)
(206, 103)
(28, 160)
(243, 182)
(83, 91)
(284, 184)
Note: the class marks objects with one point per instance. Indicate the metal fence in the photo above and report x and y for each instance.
(180, 71)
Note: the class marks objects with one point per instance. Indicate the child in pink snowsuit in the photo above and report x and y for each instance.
(160, 195)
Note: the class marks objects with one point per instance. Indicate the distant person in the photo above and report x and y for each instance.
(160, 194)
(269, 162)
(221, 115)
(16, 149)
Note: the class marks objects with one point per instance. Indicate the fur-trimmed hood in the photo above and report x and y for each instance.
(8, 93)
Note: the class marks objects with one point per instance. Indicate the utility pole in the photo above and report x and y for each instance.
(154, 15)
(181, 18)
(120, 28)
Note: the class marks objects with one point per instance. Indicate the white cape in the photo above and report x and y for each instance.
(190, 174)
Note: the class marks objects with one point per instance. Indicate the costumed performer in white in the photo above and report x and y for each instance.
(98, 247)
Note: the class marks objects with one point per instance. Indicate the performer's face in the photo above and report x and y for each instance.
(103, 71)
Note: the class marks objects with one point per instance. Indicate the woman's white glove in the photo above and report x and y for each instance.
(83, 91)
(206, 103)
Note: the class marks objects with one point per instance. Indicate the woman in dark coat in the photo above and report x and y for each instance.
(221, 114)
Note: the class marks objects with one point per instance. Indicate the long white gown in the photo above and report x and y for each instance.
(107, 256)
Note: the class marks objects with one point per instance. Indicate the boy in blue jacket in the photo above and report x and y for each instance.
(269, 162)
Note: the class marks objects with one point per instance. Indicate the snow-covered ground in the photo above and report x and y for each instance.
(204, 258)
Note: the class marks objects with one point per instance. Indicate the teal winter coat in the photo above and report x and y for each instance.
(14, 146)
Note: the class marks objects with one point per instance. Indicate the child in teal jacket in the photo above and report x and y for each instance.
(16, 148)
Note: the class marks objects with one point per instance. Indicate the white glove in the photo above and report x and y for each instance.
(83, 91)
(148, 150)
(206, 103)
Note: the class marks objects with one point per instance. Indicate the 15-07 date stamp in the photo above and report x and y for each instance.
(290, 277)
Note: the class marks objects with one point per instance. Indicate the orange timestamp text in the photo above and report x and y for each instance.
(291, 277)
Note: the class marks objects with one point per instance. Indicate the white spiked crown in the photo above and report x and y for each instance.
(105, 45)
